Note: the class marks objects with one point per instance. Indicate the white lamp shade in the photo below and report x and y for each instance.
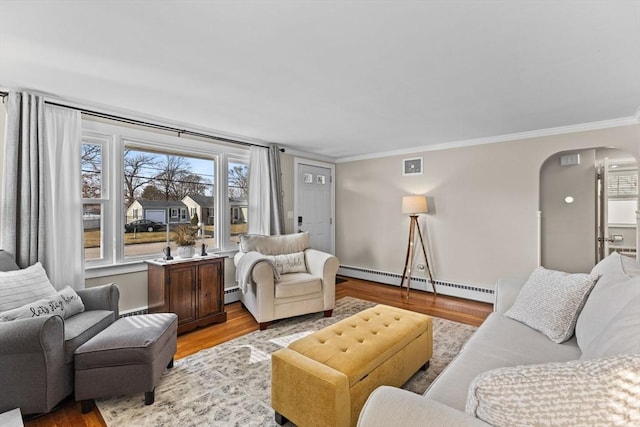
(412, 205)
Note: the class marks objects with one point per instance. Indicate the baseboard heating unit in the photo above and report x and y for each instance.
(231, 294)
(461, 290)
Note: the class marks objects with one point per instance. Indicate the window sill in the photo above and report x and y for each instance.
(130, 267)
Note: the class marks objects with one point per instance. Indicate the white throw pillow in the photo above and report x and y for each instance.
(20, 287)
(290, 263)
(550, 302)
(599, 392)
(65, 304)
(615, 288)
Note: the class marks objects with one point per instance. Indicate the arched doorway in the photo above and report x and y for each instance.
(588, 203)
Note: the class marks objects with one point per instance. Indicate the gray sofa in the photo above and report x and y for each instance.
(36, 354)
(509, 373)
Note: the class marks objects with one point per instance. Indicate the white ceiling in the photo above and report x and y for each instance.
(341, 79)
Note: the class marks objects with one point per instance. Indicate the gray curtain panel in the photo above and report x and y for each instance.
(277, 209)
(22, 225)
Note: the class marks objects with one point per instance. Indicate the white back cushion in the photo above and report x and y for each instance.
(275, 245)
(614, 290)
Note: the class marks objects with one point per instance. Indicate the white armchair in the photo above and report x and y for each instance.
(301, 288)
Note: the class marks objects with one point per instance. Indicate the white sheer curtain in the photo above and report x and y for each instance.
(259, 192)
(41, 205)
(63, 204)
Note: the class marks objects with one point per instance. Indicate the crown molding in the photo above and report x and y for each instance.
(560, 130)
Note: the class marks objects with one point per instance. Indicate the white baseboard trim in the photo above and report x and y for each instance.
(467, 291)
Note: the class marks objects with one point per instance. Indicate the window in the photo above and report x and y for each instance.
(238, 197)
(94, 195)
(158, 183)
(623, 196)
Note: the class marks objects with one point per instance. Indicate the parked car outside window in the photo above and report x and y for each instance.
(143, 225)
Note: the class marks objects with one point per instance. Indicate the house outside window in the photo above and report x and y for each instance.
(153, 176)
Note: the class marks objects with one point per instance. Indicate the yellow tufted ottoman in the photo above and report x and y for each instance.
(324, 378)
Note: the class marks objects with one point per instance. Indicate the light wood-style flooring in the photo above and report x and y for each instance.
(240, 322)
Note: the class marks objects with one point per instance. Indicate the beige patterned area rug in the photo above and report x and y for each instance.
(229, 384)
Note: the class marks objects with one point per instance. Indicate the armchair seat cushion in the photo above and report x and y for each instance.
(83, 326)
(297, 284)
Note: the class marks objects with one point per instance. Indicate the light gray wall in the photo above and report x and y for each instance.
(569, 229)
(483, 221)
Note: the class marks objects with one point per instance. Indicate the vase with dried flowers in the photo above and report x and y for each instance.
(185, 237)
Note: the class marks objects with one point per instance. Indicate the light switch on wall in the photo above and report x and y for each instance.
(289, 214)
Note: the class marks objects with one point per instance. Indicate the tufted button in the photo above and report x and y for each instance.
(344, 350)
(397, 318)
(360, 340)
(386, 325)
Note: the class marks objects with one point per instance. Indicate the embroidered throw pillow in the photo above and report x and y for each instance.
(71, 301)
(65, 304)
(290, 263)
(550, 302)
(598, 392)
(20, 287)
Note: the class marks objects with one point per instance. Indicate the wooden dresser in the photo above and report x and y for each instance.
(191, 288)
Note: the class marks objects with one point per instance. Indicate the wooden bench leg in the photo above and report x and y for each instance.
(170, 365)
(425, 366)
(264, 325)
(328, 313)
(150, 397)
(281, 419)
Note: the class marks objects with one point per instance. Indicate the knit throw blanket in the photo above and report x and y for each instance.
(244, 269)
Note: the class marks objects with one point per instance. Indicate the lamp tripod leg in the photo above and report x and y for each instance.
(426, 260)
(409, 260)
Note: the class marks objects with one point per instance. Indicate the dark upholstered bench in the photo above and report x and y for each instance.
(128, 357)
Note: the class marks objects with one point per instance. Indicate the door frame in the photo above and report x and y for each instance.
(297, 161)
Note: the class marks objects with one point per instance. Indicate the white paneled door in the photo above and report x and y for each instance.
(313, 207)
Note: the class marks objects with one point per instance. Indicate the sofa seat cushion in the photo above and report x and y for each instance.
(297, 284)
(82, 327)
(357, 345)
(499, 342)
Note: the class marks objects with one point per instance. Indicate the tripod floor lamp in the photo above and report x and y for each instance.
(414, 206)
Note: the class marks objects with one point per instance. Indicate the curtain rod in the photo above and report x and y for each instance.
(149, 124)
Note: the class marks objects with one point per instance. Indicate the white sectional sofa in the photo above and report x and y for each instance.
(511, 374)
